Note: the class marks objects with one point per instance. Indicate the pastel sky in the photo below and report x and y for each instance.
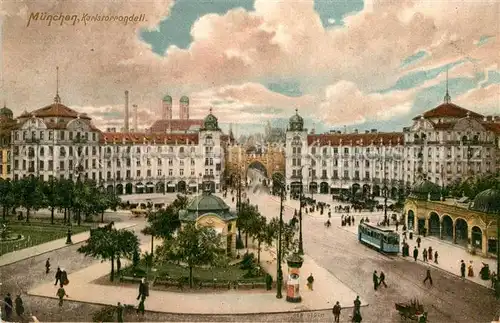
(341, 63)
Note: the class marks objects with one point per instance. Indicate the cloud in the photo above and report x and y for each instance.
(345, 104)
(278, 40)
(331, 21)
(485, 99)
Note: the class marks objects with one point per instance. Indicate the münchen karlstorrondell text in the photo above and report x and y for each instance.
(85, 18)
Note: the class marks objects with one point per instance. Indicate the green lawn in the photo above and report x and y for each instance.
(36, 233)
(175, 272)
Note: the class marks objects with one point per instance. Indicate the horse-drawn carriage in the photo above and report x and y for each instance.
(413, 311)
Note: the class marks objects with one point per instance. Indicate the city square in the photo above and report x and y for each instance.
(249, 161)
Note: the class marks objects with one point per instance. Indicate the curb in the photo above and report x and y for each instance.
(55, 249)
(206, 314)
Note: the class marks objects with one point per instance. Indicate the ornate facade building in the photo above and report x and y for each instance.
(365, 162)
(450, 143)
(56, 141)
(445, 144)
(473, 225)
(7, 122)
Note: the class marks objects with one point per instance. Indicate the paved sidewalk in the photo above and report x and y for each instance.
(40, 249)
(327, 290)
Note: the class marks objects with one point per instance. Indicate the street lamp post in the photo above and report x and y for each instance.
(301, 243)
(385, 190)
(279, 273)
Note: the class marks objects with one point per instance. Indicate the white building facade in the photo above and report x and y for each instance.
(56, 141)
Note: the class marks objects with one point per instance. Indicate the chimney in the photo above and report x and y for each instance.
(135, 118)
(126, 128)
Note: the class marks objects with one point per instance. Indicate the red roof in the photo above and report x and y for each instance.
(55, 110)
(492, 126)
(140, 137)
(360, 139)
(175, 125)
(449, 110)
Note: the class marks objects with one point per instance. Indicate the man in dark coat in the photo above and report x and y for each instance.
(8, 307)
(119, 312)
(336, 312)
(419, 241)
(375, 280)
(58, 276)
(428, 276)
(19, 306)
(462, 268)
(310, 281)
(415, 253)
(143, 289)
(47, 266)
(382, 279)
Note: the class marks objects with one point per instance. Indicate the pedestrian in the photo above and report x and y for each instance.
(357, 305)
(382, 279)
(8, 307)
(424, 255)
(143, 289)
(64, 277)
(140, 307)
(435, 257)
(47, 266)
(375, 280)
(61, 293)
(430, 253)
(419, 241)
(119, 312)
(19, 306)
(336, 312)
(310, 281)
(415, 253)
(428, 276)
(58, 275)
(356, 318)
(470, 270)
(462, 268)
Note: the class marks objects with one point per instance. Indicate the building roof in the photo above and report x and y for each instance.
(184, 99)
(487, 201)
(361, 139)
(448, 109)
(167, 98)
(55, 110)
(423, 188)
(176, 125)
(140, 137)
(206, 203)
(6, 112)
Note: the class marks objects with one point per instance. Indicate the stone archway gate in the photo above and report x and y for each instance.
(273, 160)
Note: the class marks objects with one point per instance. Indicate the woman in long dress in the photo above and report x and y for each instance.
(470, 270)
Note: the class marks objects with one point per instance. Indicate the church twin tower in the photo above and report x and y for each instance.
(167, 108)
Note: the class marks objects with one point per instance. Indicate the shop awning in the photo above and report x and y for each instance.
(171, 185)
(193, 184)
(150, 185)
(139, 186)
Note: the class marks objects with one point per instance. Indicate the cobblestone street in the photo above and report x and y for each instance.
(337, 250)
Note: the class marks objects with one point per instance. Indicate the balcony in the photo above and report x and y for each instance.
(335, 178)
(32, 141)
(79, 140)
(366, 179)
(345, 178)
(295, 177)
(208, 177)
(324, 177)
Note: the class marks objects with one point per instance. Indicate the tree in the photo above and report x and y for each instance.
(288, 241)
(52, 195)
(258, 230)
(7, 197)
(165, 222)
(31, 197)
(110, 244)
(246, 218)
(193, 246)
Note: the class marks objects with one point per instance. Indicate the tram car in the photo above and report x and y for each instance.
(383, 240)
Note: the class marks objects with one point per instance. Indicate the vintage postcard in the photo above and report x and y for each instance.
(250, 160)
